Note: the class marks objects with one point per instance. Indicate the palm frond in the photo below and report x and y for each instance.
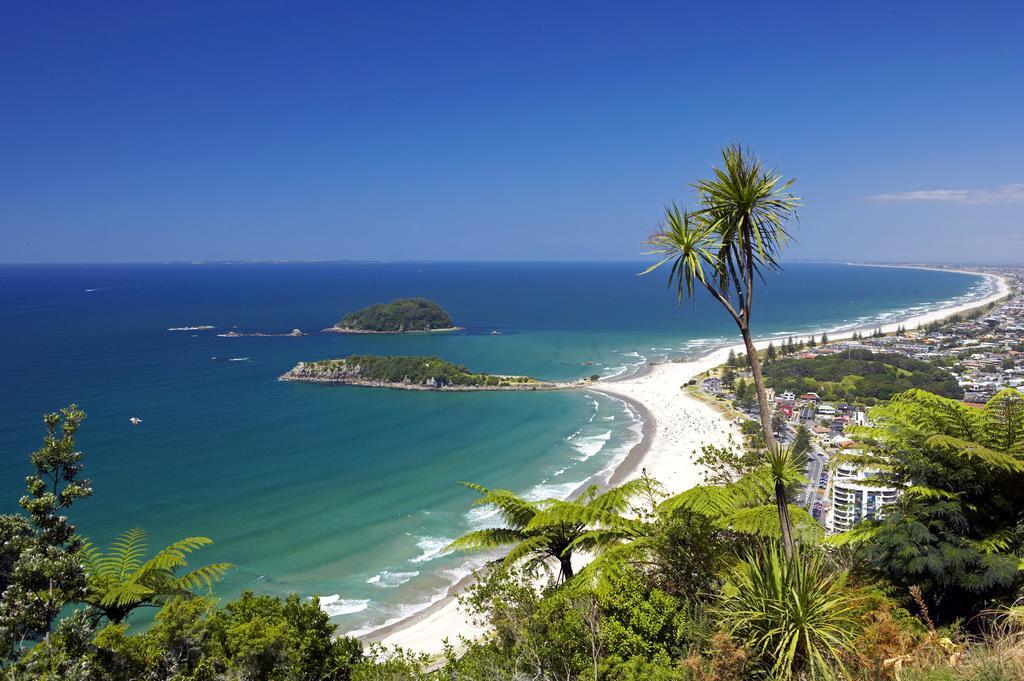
(689, 245)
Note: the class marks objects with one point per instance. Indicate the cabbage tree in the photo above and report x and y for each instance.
(725, 246)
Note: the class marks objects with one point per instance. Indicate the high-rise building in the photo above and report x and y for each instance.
(853, 501)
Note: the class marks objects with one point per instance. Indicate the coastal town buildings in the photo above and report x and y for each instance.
(983, 350)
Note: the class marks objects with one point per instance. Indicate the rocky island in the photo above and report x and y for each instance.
(404, 315)
(411, 373)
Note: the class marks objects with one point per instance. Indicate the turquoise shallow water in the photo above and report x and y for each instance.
(346, 492)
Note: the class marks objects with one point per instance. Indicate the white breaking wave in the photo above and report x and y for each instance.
(239, 359)
(548, 490)
(432, 547)
(389, 580)
(590, 445)
(335, 605)
(615, 372)
(480, 517)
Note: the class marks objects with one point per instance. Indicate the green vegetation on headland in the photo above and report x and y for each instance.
(413, 373)
(399, 316)
(859, 374)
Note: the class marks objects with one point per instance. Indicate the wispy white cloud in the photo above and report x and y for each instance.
(1004, 194)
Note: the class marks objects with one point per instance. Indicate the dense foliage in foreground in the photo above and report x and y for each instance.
(403, 314)
(693, 586)
(858, 375)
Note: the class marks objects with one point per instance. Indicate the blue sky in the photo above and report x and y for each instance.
(206, 131)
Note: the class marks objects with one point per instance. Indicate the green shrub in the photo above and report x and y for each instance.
(796, 615)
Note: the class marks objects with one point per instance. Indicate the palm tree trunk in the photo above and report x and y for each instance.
(781, 503)
(762, 396)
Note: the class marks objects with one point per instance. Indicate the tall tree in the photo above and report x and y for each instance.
(728, 378)
(801, 441)
(778, 421)
(729, 242)
(41, 568)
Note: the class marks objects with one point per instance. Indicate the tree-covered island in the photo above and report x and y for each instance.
(403, 315)
(410, 373)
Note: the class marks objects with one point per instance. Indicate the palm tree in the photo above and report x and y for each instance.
(119, 581)
(734, 237)
(543, 531)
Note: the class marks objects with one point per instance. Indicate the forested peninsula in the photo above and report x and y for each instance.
(403, 315)
(410, 373)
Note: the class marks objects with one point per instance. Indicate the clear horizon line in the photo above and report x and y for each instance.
(382, 261)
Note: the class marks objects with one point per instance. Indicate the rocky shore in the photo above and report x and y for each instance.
(348, 329)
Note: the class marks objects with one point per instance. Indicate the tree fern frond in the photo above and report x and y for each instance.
(486, 539)
(514, 510)
(1003, 417)
(127, 593)
(610, 563)
(617, 499)
(978, 452)
(598, 540)
(570, 512)
(126, 552)
(706, 500)
(536, 546)
(204, 576)
(929, 493)
(174, 556)
(859, 533)
(995, 543)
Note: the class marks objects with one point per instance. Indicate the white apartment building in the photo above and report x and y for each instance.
(853, 501)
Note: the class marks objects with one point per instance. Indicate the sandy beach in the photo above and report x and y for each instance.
(675, 426)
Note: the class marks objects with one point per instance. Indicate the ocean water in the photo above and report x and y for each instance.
(346, 492)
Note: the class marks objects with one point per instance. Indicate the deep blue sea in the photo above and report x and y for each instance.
(346, 492)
